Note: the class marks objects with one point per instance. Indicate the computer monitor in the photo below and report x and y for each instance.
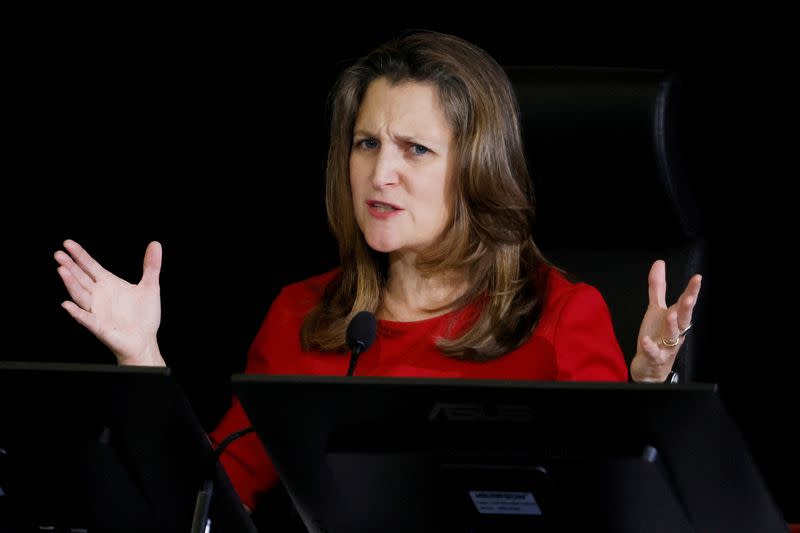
(392, 454)
(104, 448)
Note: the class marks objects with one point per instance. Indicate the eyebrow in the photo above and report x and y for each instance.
(403, 138)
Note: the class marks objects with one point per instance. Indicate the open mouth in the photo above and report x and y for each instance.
(382, 207)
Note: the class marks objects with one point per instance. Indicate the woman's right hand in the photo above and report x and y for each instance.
(123, 316)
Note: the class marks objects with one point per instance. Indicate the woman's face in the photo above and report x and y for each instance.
(400, 166)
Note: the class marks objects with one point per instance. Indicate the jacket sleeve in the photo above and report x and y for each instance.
(586, 347)
(246, 461)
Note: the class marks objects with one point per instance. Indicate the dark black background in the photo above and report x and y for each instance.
(206, 129)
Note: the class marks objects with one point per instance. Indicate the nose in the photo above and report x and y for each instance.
(387, 169)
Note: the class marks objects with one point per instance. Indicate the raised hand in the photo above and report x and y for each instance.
(663, 328)
(123, 316)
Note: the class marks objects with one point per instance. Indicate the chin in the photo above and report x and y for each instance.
(381, 245)
(381, 241)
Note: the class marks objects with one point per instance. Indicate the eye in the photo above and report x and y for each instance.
(367, 144)
(418, 149)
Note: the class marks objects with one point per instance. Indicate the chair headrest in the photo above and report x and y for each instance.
(603, 150)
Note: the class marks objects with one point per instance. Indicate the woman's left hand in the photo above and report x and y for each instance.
(663, 328)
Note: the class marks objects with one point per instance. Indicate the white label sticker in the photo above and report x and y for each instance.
(505, 502)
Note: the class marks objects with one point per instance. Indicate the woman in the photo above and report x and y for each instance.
(429, 198)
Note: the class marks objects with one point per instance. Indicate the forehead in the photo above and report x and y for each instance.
(412, 107)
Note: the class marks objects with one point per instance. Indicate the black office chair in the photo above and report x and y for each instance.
(612, 190)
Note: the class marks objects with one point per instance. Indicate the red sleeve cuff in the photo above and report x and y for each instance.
(245, 461)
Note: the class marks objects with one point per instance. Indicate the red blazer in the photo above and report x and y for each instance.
(573, 341)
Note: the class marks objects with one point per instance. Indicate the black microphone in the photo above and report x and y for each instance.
(360, 336)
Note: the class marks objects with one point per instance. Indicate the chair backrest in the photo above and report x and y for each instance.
(612, 189)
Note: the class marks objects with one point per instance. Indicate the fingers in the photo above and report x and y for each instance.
(76, 289)
(83, 259)
(657, 284)
(77, 279)
(657, 288)
(660, 360)
(671, 335)
(85, 318)
(74, 270)
(652, 350)
(650, 347)
(687, 301)
(152, 263)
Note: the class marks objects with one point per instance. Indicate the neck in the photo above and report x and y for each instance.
(411, 295)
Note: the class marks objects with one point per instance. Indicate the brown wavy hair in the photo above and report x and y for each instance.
(488, 238)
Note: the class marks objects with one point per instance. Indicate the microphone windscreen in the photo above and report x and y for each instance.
(361, 330)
